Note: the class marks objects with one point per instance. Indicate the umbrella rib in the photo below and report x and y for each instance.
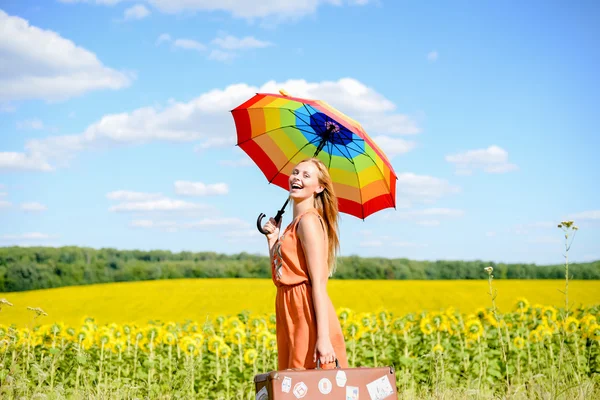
(276, 129)
(290, 159)
(383, 176)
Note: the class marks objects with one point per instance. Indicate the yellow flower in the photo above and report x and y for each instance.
(214, 343)
(258, 324)
(250, 356)
(571, 325)
(474, 329)
(188, 346)
(522, 305)
(549, 313)
(399, 325)
(438, 348)
(587, 321)
(235, 323)
(224, 351)
(491, 320)
(237, 336)
(344, 314)
(169, 339)
(481, 313)
(271, 342)
(352, 329)
(535, 336)
(426, 326)
(594, 332)
(519, 342)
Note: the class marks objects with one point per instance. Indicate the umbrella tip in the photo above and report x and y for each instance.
(284, 93)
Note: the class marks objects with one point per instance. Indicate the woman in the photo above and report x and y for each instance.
(303, 258)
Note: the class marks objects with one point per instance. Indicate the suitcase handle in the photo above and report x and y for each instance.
(337, 364)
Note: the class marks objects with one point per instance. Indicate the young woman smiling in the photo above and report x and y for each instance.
(302, 261)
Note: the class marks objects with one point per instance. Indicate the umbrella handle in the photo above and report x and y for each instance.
(277, 218)
(259, 224)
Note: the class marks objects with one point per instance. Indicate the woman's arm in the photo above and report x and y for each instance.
(312, 237)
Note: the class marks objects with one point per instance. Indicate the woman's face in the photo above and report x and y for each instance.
(304, 181)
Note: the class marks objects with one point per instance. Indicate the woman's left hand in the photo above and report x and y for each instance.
(324, 350)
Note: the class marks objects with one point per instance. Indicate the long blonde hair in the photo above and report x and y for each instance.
(326, 204)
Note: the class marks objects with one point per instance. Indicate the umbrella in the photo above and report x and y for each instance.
(278, 131)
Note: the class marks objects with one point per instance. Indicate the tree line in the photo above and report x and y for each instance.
(28, 268)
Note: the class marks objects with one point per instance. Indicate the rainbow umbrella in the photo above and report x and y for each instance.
(278, 131)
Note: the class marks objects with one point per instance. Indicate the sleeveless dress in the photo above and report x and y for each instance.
(296, 319)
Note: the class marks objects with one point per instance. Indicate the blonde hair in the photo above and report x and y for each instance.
(326, 204)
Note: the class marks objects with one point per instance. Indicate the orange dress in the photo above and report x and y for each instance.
(296, 318)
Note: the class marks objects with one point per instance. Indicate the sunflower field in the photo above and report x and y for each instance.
(534, 351)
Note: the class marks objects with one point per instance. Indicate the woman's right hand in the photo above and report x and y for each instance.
(272, 229)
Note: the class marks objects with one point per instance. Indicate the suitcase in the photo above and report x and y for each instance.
(338, 383)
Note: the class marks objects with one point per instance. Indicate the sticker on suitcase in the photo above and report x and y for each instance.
(351, 393)
(300, 390)
(262, 394)
(286, 384)
(325, 386)
(340, 378)
(380, 389)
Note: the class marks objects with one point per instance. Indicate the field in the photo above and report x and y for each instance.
(197, 299)
(190, 339)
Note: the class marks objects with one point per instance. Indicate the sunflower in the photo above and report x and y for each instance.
(351, 329)
(426, 326)
(438, 348)
(169, 339)
(549, 313)
(594, 332)
(571, 325)
(250, 356)
(188, 346)
(535, 336)
(236, 336)
(214, 343)
(522, 305)
(344, 314)
(481, 313)
(224, 351)
(473, 329)
(271, 343)
(234, 323)
(519, 342)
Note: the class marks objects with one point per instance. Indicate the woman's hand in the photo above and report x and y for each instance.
(324, 350)
(272, 229)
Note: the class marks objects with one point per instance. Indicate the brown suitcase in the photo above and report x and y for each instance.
(339, 383)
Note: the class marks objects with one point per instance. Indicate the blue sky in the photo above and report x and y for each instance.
(115, 128)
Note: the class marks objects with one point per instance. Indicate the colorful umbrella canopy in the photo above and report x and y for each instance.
(279, 131)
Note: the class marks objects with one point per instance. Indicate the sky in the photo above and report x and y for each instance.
(116, 131)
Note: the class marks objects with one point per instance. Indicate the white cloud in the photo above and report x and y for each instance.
(5, 204)
(220, 55)
(585, 216)
(189, 44)
(40, 64)
(35, 124)
(230, 42)
(165, 204)
(240, 162)
(371, 243)
(272, 9)
(545, 240)
(27, 236)
(525, 229)
(202, 224)
(215, 142)
(423, 188)
(432, 55)
(3, 194)
(493, 160)
(137, 12)
(430, 217)
(187, 188)
(165, 37)
(206, 118)
(242, 235)
(127, 195)
(33, 207)
(394, 146)
(22, 161)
